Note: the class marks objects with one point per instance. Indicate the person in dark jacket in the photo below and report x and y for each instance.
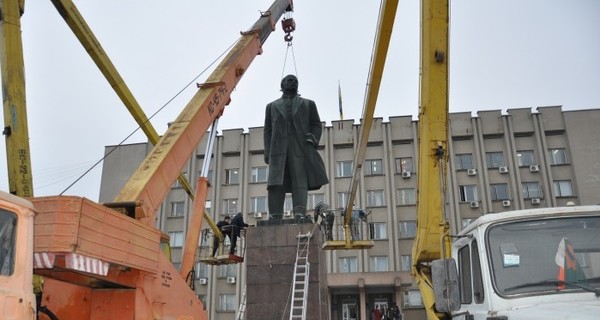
(225, 228)
(237, 224)
(291, 135)
(327, 219)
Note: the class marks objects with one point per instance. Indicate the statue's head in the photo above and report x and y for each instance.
(289, 83)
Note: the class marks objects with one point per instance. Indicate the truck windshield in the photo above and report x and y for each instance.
(8, 223)
(542, 256)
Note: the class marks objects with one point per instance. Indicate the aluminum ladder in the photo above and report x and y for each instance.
(242, 309)
(301, 278)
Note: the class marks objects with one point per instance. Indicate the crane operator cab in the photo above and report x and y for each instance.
(343, 231)
(16, 258)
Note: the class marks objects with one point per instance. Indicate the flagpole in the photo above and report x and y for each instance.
(340, 100)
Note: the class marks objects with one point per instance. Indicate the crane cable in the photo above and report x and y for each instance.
(288, 25)
(289, 45)
(152, 116)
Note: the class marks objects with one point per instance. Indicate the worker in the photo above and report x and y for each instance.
(237, 224)
(327, 219)
(291, 135)
(358, 216)
(225, 229)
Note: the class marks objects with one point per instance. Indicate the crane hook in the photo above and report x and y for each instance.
(288, 25)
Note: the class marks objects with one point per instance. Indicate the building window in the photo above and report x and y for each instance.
(227, 270)
(347, 264)
(227, 302)
(407, 196)
(177, 184)
(379, 263)
(314, 199)
(375, 198)
(558, 156)
(258, 204)
(230, 206)
(531, 190)
(466, 222)
(343, 169)
(464, 161)
(258, 174)
(563, 188)
(494, 159)
(201, 270)
(177, 209)
(405, 263)
(176, 239)
(342, 199)
(499, 191)
(379, 230)
(232, 176)
(202, 297)
(411, 299)
(373, 167)
(404, 165)
(408, 229)
(209, 176)
(468, 193)
(525, 158)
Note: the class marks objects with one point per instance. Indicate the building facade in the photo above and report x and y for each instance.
(498, 161)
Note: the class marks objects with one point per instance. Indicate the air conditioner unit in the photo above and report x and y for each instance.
(474, 204)
(503, 169)
(287, 213)
(506, 203)
(258, 215)
(405, 174)
(535, 201)
(202, 281)
(471, 172)
(534, 168)
(231, 280)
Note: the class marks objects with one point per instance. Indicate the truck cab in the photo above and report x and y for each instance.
(16, 259)
(528, 264)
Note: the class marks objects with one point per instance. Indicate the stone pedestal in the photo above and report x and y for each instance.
(270, 260)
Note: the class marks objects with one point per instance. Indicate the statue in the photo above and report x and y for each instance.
(291, 135)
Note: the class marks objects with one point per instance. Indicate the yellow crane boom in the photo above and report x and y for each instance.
(430, 241)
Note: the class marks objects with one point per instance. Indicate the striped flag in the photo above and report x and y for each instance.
(340, 100)
(568, 267)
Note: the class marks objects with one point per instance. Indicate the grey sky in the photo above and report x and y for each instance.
(503, 54)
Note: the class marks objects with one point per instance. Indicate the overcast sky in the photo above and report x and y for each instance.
(503, 54)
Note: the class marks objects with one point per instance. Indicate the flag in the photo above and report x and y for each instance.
(340, 100)
(568, 267)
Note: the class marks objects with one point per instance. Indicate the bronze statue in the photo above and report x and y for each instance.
(291, 135)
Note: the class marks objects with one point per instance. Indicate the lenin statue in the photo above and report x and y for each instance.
(291, 135)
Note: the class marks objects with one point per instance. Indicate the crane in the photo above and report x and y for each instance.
(106, 258)
(431, 239)
(384, 28)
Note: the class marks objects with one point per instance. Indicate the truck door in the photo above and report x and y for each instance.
(16, 260)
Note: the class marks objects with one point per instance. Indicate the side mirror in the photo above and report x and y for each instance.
(445, 285)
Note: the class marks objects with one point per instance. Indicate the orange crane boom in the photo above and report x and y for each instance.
(108, 264)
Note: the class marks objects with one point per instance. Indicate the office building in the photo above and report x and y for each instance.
(498, 161)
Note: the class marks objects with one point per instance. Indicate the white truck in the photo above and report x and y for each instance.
(525, 265)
